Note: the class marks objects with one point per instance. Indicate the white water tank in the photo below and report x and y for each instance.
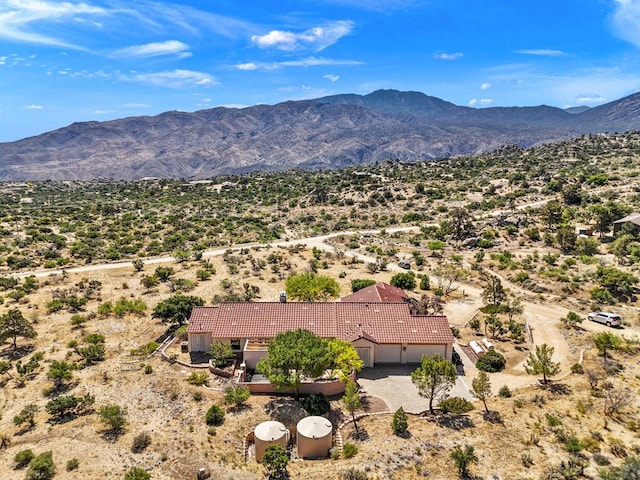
(315, 437)
(269, 433)
(477, 349)
(487, 344)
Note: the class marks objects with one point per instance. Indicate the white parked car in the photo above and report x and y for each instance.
(607, 318)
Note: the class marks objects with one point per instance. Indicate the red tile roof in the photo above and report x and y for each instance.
(380, 292)
(382, 322)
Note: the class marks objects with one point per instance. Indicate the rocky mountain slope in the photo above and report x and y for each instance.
(329, 132)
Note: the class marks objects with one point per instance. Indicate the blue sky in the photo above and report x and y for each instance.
(66, 61)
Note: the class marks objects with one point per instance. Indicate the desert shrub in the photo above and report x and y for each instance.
(552, 420)
(316, 404)
(137, 473)
(577, 368)
(456, 405)
(215, 416)
(573, 444)
(197, 396)
(41, 467)
(601, 460)
(349, 450)
(141, 442)
(73, 464)
(491, 361)
(504, 392)
(23, 457)
(198, 378)
(399, 424)
(237, 395)
(353, 474)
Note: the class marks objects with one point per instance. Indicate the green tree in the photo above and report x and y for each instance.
(27, 415)
(137, 473)
(214, 416)
(220, 352)
(113, 416)
(605, 341)
(540, 363)
(481, 388)
(493, 292)
(60, 372)
(619, 283)
(275, 460)
(237, 395)
(360, 283)
(138, 264)
(344, 359)
(41, 467)
(23, 457)
(571, 320)
(177, 308)
(463, 457)
(551, 213)
(566, 238)
(399, 424)
(351, 401)
(294, 355)
(405, 280)
(434, 378)
(14, 325)
(164, 273)
(311, 287)
(64, 405)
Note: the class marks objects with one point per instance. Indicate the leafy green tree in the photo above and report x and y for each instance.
(113, 416)
(41, 467)
(236, 395)
(551, 213)
(137, 473)
(64, 405)
(399, 424)
(220, 352)
(344, 359)
(463, 457)
(164, 273)
(27, 415)
(23, 457)
(404, 280)
(571, 320)
(606, 341)
(360, 283)
(566, 238)
(311, 287)
(14, 325)
(434, 378)
(619, 283)
(275, 460)
(177, 308)
(481, 388)
(492, 361)
(351, 401)
(493, 292)
(92, 353)
(294, 355)
(60, 372)
(540, 362)
(138, 264)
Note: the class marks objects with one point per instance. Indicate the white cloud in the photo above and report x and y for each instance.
(480, 101)
(103, 112)
(33, 107)
(332, 78)
(136, 105)
(589, 98)
(247, 66)
(626, 21)
(173, 78)
(448, 56)
(485, 86)
(3, 60)
(317, 38)
(170, 47)
(542, 52)
(16, 17)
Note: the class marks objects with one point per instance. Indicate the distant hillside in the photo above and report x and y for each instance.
(325, 133)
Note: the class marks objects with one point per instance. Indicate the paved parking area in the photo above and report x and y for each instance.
(393, 384)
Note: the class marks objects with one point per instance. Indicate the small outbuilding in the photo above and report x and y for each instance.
(269, 433)
(315, 437)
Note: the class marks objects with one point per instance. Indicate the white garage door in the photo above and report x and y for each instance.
(415, 352)
(388, 353)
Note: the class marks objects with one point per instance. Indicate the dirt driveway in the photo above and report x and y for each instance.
(393, 384)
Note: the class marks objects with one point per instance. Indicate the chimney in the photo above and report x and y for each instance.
(283, 297)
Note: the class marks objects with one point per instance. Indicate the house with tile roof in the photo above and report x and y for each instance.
(380, 292)
(380, 331)
(631, 222)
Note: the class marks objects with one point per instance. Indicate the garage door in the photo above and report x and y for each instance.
(388, 353)
(415, 352)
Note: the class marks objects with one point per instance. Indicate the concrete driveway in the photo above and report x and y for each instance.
(393, 384)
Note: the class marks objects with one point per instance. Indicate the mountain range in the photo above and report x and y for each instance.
(329, 132)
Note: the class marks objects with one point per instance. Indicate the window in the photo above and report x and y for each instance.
(235, 344)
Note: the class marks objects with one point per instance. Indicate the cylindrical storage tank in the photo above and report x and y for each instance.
(314, 437)
(269, 433)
